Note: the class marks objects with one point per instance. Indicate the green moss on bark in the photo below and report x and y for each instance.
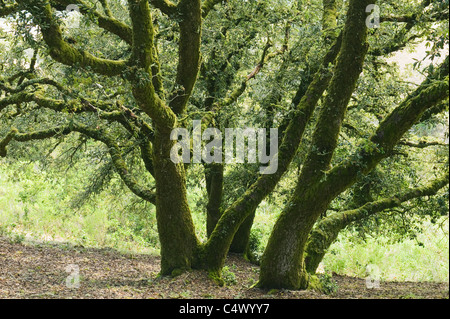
(282, 265)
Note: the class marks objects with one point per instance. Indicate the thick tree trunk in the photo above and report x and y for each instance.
(179, 244)
(241, 240)
(217, 247)
(214, 188)
(282, 265)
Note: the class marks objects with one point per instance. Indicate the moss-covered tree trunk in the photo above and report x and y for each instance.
(217, 247)
(288, 239)
(175, 226)
(241, 240)
(214, 188)
(282, 265)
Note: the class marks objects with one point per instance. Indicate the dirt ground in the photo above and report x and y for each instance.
(40, 271)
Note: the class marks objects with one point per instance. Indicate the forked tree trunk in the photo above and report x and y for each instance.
(282, 264)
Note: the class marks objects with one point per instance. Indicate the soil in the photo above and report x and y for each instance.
(40, 271)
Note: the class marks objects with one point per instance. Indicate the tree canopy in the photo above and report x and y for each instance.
(356, 139)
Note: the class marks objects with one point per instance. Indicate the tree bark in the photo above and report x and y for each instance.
(282, 264)
(179, 244)
(216, 249)
(309, 201)
(214, 188)
(241, 240)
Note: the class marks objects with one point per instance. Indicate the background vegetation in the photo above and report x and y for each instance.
(35, 206)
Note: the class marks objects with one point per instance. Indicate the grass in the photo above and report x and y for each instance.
(36, 205)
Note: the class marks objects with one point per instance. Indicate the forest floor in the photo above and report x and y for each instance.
(38, 270)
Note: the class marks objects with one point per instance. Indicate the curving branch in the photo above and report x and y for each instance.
(108, 22)
(62, 51)
(5, 87)
(96, 134)
(400, 39)
(166, 6)
(327, 230)
(190, 22)
(104, 110)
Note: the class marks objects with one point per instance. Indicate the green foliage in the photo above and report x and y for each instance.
(36, 205)
(228, 276)
(328, 285)
(405, 260)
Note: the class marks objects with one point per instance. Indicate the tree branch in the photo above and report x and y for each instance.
(208, 5)
(438, 108)
(107, 111)
(62, 51)
(188, 54)
(421, 144)
(412, 18)
(166, 6)
(142, 57)
(327, 230)
(346, 73)
(430, 93)
(96, 134)
(240, 89)
(108, 22)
